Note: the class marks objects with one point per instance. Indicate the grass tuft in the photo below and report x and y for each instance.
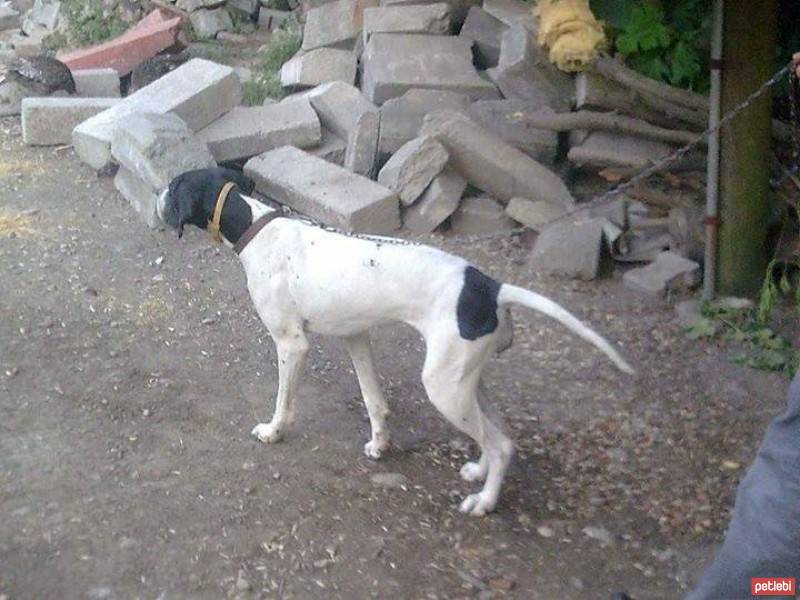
(266, 82)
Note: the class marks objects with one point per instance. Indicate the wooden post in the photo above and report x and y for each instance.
(749, 37)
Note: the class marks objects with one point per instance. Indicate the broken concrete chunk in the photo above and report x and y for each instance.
(207, 23)
(319, 66)
(505, 118)
(439, 201)
(335, 24)
(396, 63)
(324, 191)
(534, 214)
(198, 91)
(50, 121)
(486, 32)
(604, 149)
(478, 215)
(492, 165)
(401, 118)
(411, 169)
(96, 83)
(250, 130)
(156, 148)
(427, 18)
(570, 248)
(670, 272)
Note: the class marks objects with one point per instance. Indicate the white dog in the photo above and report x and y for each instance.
(303, 278)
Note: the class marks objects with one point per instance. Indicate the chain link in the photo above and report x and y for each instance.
(608, 196)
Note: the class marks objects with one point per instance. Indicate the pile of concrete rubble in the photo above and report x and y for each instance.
(405, 116)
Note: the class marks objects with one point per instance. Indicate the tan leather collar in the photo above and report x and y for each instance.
(213, 224)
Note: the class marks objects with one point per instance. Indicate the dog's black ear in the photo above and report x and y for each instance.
(186, 201)
(240, 179)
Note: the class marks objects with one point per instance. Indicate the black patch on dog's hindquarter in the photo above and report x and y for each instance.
(477, 305)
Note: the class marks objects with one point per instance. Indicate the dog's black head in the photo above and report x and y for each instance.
(191, 196)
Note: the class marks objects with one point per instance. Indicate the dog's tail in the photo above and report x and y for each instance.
(511, 294)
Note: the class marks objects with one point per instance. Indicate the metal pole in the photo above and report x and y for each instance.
(712, 178)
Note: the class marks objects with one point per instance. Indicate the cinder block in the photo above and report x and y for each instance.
(478, 215)
(395, 63)
(413, 167)
(492, 165)
(198, 91)
(96, 83)
(323, 65)
(324, 191)
(439, 201)
(50, 121)
(250, 130)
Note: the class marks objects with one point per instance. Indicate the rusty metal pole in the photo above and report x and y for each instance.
(749, 36)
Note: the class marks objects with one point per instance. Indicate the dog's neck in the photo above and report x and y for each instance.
(239, 213)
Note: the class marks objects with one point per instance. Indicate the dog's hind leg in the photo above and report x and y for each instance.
(292, 347)
(360, 352)
(451, 376)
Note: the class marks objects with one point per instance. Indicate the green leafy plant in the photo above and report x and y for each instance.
(266, 82)
(90, 22)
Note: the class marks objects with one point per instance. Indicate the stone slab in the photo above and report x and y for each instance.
(426, 18)
(670, 272)
(250, 130)
(439, 201)
(50, 121)
(412, 168)
(324, 191)
(401, 118)
(505, 118)
(492, 165)
(534, 214)
(96, 83)
(156, 148)
(570, 248)
(479, 215)
(486, 32)
(144, 40)
(335, 24)
(603, 149)
(198, 91)
(140, 196)
(395, 63)
(323, 65)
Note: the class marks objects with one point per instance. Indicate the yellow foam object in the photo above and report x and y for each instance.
(570, 31)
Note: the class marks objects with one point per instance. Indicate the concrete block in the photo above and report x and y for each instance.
(198, 91)
(324, 191)
(505, 118)
(207, 23)
(50, 121)
(344, 110)
(524, 72)
(395, 63)
(486, 32)
(96, 83)
(250, 130)
(193, 5)
(534, 214)
(478, 215)
(336, 24)
(140, 195)
(438, 201)
(458, 8)
(322, 65)
(570, 248)
(670, 272)
(411, 169)
(492, 165)
(156, 148)
(401, 118)
(512, 12)
(144, 40)
(332, 148)
(9, 17)
(11, 95)
(426, 18)
(603, 149)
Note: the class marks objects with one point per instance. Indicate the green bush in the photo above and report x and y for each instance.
(266, 82)
(89, 22)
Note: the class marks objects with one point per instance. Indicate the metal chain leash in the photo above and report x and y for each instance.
(608, 196)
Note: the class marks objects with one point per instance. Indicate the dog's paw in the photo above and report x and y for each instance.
(267, 433)
(473, 471)
(477, 505)
(375, 449)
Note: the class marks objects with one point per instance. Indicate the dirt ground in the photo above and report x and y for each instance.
(132, 368)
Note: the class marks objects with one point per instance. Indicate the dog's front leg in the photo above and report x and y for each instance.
(292, 352)
(361, 354)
